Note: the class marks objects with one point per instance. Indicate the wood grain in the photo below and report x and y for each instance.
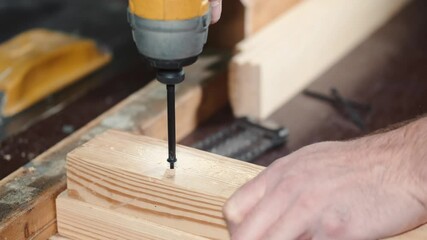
(129, 175)
(296, 48)
(417, 234)
(83, 221)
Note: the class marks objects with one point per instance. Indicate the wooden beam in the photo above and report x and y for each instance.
(417, 234)
(279, 61)
(120, 187)
(242, 18)
(27, 197)
(126, 177)
(259, 13)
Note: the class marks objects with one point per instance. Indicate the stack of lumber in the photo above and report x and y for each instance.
(278, 61)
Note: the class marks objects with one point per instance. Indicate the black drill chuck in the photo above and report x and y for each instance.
(170, 76)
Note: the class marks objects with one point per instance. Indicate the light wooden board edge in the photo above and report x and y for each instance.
(259, 13)
(246, 99)
(57, 237)
(294, 50)
(31, 190)
(242, 18)
(419, 233)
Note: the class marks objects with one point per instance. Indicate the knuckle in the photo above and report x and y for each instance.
(231, 212)
(333, 225)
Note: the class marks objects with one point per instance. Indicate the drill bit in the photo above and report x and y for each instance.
(171, 77)
(171, 125)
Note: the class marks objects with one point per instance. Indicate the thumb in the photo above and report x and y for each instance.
(216, 6)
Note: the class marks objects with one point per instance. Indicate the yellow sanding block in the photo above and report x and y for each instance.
(39, 62)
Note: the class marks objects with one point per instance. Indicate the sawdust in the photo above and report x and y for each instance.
(37, 178)
(18, 194)
(169, 175)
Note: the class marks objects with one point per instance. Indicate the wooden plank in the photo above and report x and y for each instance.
(119, 187)
(242, 18)
(127, 175)
(41, 222)
(417, 234)
(259, 13)
(279, 61)
(27, 206)
(80, 220)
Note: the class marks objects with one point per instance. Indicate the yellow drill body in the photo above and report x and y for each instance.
(170, 34)
(169, 9)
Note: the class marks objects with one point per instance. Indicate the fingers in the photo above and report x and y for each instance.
(291, 225)
(243, 200)
(265, 214)
(216, 6)
(259, 220)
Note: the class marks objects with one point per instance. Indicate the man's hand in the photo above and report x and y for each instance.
(369, 188)
(216, 6)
